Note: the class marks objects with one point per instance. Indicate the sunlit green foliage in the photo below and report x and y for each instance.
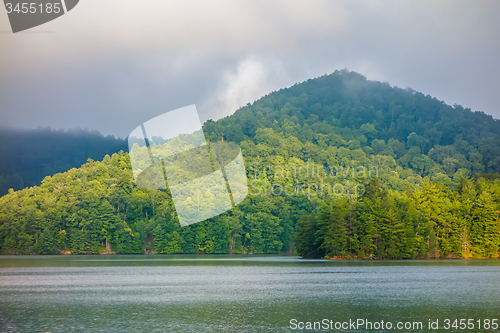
(303, 148)
(432, 221)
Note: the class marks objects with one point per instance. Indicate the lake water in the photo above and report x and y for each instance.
(240, 293)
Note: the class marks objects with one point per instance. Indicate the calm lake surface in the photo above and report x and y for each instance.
(238, 293)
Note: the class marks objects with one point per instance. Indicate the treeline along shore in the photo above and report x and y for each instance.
(380, 173)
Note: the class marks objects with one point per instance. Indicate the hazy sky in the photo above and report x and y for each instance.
(110, 65)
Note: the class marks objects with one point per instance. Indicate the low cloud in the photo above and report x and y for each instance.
(109, 65)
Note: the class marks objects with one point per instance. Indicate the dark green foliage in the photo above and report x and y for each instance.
(413, 153)
(305, 237)
(345, 109)
(428, 222)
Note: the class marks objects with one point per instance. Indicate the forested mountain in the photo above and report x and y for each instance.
(346, 111)
(28, 156)
(367, 169)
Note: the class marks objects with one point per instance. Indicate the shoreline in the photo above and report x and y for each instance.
(336, 258)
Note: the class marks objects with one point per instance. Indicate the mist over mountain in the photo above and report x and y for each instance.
(345, 109)
(28, 155)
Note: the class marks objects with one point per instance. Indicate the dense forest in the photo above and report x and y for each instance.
(338, 166)
(27, 156)
(429, 222)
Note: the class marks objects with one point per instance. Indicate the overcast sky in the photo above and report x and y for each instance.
(110, 65)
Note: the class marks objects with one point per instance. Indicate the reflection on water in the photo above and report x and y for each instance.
(235, 293)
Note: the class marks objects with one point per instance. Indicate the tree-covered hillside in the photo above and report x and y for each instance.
(346, 111)
(367, 169)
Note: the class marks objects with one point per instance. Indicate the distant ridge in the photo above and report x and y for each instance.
(29, 155)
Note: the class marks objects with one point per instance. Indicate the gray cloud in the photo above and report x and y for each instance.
(110, 65)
